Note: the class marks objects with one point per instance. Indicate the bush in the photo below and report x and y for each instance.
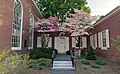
(95, 66)
(83, 53)
(32, 64)
(91, 55)
(37, 64)
(101, 62)
(42, 63)
(13, 64)
(85, 62)
(40, 53)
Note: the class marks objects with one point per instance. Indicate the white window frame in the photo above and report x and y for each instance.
(84, 42)
(20, 46)
(31, 29)
(107, 40)
(93, 41)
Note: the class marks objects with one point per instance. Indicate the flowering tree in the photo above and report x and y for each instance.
(45, 26)
(77, 24)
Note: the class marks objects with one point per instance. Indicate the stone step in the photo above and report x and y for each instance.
(63, 71)
(62, 62)
(62, 65)
(67, 68)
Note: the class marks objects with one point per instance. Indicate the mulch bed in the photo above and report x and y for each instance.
(110, 68)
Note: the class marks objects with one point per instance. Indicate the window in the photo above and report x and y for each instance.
(93, 40)
(75, 43)
(103, 38)
(79, 41)
(31, 32)
(17, 26)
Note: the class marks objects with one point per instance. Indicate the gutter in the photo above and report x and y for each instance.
(36, 7)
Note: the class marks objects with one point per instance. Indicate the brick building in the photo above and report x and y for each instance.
(17, 19)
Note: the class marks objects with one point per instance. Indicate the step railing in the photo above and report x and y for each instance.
(72, 57)
(53, 56)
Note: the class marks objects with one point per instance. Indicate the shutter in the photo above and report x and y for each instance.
(73, 42)
(107, 38)
(84, 42)
(55, 42)
(95, 40)
(91, 40)
(50, 42)
(99, 40)
(67, 43)
(38, 41)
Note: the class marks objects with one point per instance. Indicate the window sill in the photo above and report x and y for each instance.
(15, 48)
(104, 48)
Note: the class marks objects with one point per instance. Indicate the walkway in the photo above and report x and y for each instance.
(63, 65)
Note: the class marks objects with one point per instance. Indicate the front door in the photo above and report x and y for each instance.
(61, 46)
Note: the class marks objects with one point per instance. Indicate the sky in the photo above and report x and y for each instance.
(102, 7)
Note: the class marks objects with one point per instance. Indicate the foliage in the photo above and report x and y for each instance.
(13, 64)
(95, 66)
(61, 8)
(40, 53)
(37, 64)
(32, 64)
(83, 53)
(117, 44)
(91, 55)
(100, 62)
(85, 62)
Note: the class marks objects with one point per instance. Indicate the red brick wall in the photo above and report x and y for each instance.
(113, 24)
(6, 16)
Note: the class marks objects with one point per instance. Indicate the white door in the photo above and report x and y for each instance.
(61, 46)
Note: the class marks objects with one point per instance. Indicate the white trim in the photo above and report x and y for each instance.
(107, 40)
(19, 48)
(32, 31)
(36, 7)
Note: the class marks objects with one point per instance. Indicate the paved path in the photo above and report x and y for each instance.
(62, 65)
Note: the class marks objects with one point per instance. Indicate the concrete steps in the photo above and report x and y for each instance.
(62, 65)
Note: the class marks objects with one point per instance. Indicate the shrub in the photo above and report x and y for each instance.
(100, 62)
(42, 63)
(95, 66)
(32, 64)
(83, 53)
(13, 64)
(91, 55)
(40, 53)
(85, 62)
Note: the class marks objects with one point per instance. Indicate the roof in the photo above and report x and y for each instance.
(110, 14)
(36, 7)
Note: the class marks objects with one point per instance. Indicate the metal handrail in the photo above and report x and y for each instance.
(72, 57)
(53, 56)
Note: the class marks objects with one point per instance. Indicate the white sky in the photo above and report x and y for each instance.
(102, 7)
